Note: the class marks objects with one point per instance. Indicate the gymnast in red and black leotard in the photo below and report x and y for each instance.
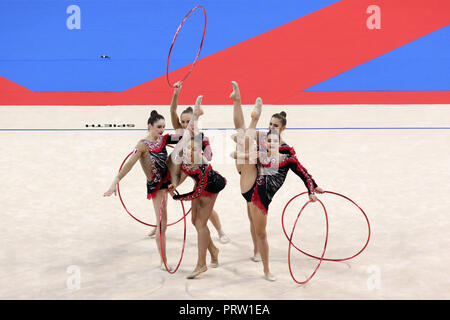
(263, 164)
(152, 154)
(157, 154)
(208, 184)
(272, 172)
(180, 123)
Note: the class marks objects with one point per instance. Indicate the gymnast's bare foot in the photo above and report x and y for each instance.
(152, 233)
(223, 238)
(198, 270)
(256, 258)
(235, 95)
(256, 113)
(198, 111)
(319, 190)
(269, 277)
(214, 258)
(163, 267)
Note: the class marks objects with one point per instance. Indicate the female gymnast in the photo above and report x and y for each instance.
(152, 154)
(208, 184)
(180, 124)
(261, 180)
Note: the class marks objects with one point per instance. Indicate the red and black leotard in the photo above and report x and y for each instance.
(158, 156)
(271, 177)
(207, 182)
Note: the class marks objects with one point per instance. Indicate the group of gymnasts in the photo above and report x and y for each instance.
(262, 158)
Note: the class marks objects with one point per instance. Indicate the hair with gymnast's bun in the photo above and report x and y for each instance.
(154, 116)
(188, 110)
(281, 116)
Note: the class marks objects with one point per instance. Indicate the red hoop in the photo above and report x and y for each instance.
(321, 258)
(160, 237)
(173, 42)
(290, 244)
(131, 215)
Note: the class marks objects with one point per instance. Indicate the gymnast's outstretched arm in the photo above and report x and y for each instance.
(173, 107)
(138, 152)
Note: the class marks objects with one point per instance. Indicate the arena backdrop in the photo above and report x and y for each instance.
(85, 52)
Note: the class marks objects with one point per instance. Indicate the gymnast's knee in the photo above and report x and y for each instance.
(261, 234)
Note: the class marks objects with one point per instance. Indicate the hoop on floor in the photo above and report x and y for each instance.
(160, 238)
(324, 247)
(322, 258)
(131, 215)
(173, 42)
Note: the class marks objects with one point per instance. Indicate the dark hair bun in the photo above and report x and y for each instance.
(154, 116)
(281, 116)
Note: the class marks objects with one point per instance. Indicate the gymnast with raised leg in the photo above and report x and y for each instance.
(180, 124)
(239, 124)
(260, 180)
(152, 154)
(208, 184)
(277, 122)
